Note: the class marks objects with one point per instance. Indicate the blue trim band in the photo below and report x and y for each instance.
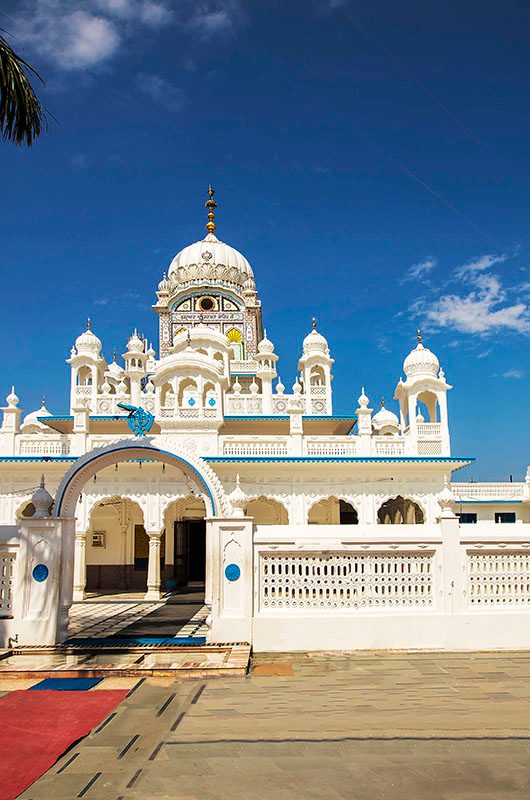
(487, 502)
(338, 459)
(38, 458)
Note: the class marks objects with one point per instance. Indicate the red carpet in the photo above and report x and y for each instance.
(37, 727)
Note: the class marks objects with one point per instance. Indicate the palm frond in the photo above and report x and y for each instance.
(22, 115)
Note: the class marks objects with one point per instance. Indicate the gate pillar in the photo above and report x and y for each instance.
(232, 578)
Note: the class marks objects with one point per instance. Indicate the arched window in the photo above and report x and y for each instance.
(235, 338)
(317, 377)
(400, 511)
(428, 406)
(84, 376)
(267, 511)
(332, 511)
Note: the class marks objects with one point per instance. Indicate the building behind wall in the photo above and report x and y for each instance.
(347, 511)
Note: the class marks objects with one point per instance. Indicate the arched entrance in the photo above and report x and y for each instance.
(195, 472)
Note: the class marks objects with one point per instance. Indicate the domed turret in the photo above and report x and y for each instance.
(314, 342)
(421, 361)
(385, 421)
(135, 344)
(31, 420)
(88, 344)
(265, 347)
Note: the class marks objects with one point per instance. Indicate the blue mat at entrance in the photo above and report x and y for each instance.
(67, 684)
(140, 640)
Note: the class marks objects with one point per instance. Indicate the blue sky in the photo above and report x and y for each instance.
(371, 162)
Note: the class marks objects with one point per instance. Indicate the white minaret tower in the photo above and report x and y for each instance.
(425, 383)
(136, 365)
(266, 359)
(315, 366)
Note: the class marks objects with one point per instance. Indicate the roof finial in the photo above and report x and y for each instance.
(43, 401)
(211, 205)
(89, 324)
(114, 355)
(382, 402)
(419, 336)
(314, 323)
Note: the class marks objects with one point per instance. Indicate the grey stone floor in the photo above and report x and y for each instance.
(328, 726)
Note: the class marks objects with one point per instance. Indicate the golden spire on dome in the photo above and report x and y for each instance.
(314, 324)
(211, 205)
(419, 336)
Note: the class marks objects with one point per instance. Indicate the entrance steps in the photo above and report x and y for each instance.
(107, 659)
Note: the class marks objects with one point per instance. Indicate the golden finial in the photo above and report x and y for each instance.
(114, 355)
(314, 323)
(89, 324)
(419, 335)
(382, 402)
(211, 205)
(43, 405)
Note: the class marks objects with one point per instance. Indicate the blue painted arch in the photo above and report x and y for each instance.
(128, 451)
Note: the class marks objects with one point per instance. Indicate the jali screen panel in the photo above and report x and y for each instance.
(345, 580)
(500, 579)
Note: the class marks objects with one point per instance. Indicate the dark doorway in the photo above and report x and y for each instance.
(190, 551)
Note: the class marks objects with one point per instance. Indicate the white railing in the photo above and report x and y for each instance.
(330, 446)
(317, 391)
(43, 446)
(243, 446)
(429, 448)
(429, 430)
(244, 405)
(279, 404)
(7, 572)
(243, 366)
(488, 491)
(329, 581)
(499, 579)
(388, 447)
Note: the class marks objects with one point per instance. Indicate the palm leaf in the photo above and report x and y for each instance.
(22, 115)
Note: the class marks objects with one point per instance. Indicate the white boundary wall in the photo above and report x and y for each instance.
(440, 586)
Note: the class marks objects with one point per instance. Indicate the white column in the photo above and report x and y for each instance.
(208, 575)
(79, 566)
(153, 568)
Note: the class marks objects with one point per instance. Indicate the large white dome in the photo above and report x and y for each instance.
(210, 261)
(421, 361)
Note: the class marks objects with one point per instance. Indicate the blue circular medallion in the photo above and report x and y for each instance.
(232, 572)
(40, 572)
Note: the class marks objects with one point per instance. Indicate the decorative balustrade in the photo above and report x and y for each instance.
(385, 446)
(244, 405)
(247, 366)
(243, 446)
(330, 446)
(279, 404)
(317, 391)
(498, 579)
(429, 430)
(43, 446)
(7, 571)
(351, 581)
(429, 448)
(488, 491)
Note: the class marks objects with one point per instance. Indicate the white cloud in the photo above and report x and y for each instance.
(479, 264)
(211, 18)
(79, 161)
(513, 373)
(77, 35)
(421, 269)
(483, 306)
(161, 91)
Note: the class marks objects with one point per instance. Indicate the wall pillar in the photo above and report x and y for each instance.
(153, 568)
(232, 579)
(79, 566)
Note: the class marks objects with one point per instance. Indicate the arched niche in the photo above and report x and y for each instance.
(400, 511)
(332, 511)
(427, 406)
(267, 511)
(117, 546)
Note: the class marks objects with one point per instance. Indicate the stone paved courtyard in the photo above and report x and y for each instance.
(327, 726)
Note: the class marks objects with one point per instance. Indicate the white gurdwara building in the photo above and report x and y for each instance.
(197, 465)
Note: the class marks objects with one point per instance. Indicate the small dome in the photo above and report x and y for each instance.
(265, 346)
(250, 285)
(314, 342)
(421, 361)
(33, 417)
(385, 419)
(135, 344)
(88, 343)
(12, 398)
(363, 399)
(42, 501)
(163, 286)
(210, 261)
(115, 369)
